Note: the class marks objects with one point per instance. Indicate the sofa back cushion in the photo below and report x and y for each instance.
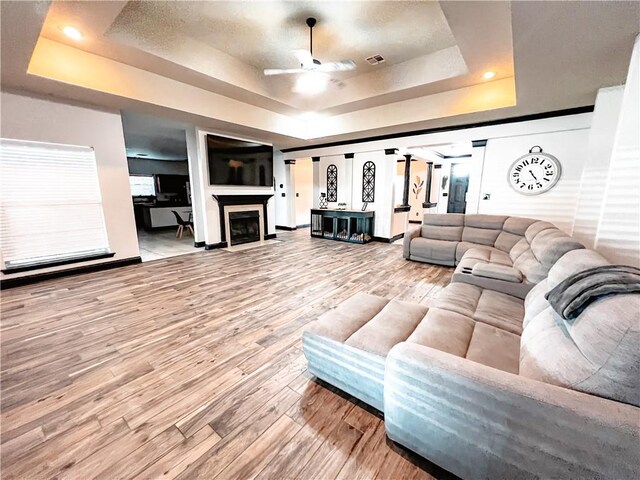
(443, 226)
(444, 219)
(543, 244)
(512, 232)
(482, 229)
(596, 353)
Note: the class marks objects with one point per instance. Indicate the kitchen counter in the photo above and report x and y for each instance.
(159, 216)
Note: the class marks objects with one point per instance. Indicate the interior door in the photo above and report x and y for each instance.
(458, 186)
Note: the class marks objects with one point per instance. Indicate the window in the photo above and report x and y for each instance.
(142, 185)
(50, 205)
(332, 183)
(368, 181)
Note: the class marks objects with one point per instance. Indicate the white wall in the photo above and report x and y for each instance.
(557, 205)
(597, 164)
(303, 195)
(618, 235)
(26, 118)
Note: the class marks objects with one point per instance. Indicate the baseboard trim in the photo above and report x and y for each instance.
(415, 221)
(40, 277)
(288, 229)
(213, 246)
(306, 225)
(388, 240)
(199, 244)
(270, 236)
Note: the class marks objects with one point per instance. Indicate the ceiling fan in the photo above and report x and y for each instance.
(310, 64)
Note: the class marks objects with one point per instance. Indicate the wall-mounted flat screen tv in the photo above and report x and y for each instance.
(237, 162)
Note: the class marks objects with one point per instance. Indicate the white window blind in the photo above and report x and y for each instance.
(50, 204)
(142, 186)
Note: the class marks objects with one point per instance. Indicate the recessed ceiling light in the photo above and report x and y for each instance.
(489, 75)
(72, 32)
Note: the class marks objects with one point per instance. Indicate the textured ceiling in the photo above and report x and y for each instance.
(547, 55)
(262, 34)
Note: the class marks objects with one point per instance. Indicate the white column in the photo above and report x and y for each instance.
(476, 169)
(197, 185)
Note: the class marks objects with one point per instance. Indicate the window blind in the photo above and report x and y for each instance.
(142, 186)
(50, 204)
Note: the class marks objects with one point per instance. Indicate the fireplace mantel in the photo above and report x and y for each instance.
(225, 200)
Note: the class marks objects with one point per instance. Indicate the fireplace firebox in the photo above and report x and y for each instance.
(244, 227)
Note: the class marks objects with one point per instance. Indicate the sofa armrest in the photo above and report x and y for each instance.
(408, 236)
(479, 422)
(497, 272)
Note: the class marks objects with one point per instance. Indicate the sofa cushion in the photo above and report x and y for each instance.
(460, 335)
(483, 305)
(531, 267)
(506, 241)
(478, 220)
(597, 352)
(343, 321)
(535, 228)
(517, 225)
(480, 236)
(488, 255)
(440, 232)
(464, 247)
(444, 219)
(494, 347)
(463, 274)
(440, 250)
(444, 330)
(550, 245)
(392, 325)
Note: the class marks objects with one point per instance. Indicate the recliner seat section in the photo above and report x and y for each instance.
(522, 249)
(491, 385)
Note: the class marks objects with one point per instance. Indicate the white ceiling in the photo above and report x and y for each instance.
(200, 62)
(264, 35)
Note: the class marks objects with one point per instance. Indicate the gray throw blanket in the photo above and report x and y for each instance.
(571, 296)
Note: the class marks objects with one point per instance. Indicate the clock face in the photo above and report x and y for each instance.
(534, 173)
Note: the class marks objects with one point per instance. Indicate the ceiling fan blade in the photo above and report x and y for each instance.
(304, 57)
(283, 71)
(342, 66)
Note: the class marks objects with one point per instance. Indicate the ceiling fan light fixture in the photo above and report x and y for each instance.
(311, 83)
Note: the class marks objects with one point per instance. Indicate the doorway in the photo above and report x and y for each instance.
(160, 185)
(459, 184)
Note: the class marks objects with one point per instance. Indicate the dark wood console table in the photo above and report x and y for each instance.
(353, 226)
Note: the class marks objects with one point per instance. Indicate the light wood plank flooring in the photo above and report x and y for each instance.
(163, 244)
(191, 367)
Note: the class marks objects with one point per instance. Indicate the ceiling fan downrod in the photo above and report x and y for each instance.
(311, 22)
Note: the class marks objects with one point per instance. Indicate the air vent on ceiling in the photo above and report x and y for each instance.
(375, 59)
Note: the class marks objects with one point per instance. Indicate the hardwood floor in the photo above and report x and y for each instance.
(163, 244)
(191, 367)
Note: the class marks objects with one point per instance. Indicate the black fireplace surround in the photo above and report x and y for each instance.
(224, 200)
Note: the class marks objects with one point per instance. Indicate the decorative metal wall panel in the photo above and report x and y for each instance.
(368, 181)
(332, 183)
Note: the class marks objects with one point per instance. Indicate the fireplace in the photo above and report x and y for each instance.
(244, 227)
(243, 219)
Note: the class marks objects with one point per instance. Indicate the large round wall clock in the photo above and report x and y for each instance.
(534, 173)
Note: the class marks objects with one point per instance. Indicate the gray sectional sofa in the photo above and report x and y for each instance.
(507, 254)
(488, 384)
